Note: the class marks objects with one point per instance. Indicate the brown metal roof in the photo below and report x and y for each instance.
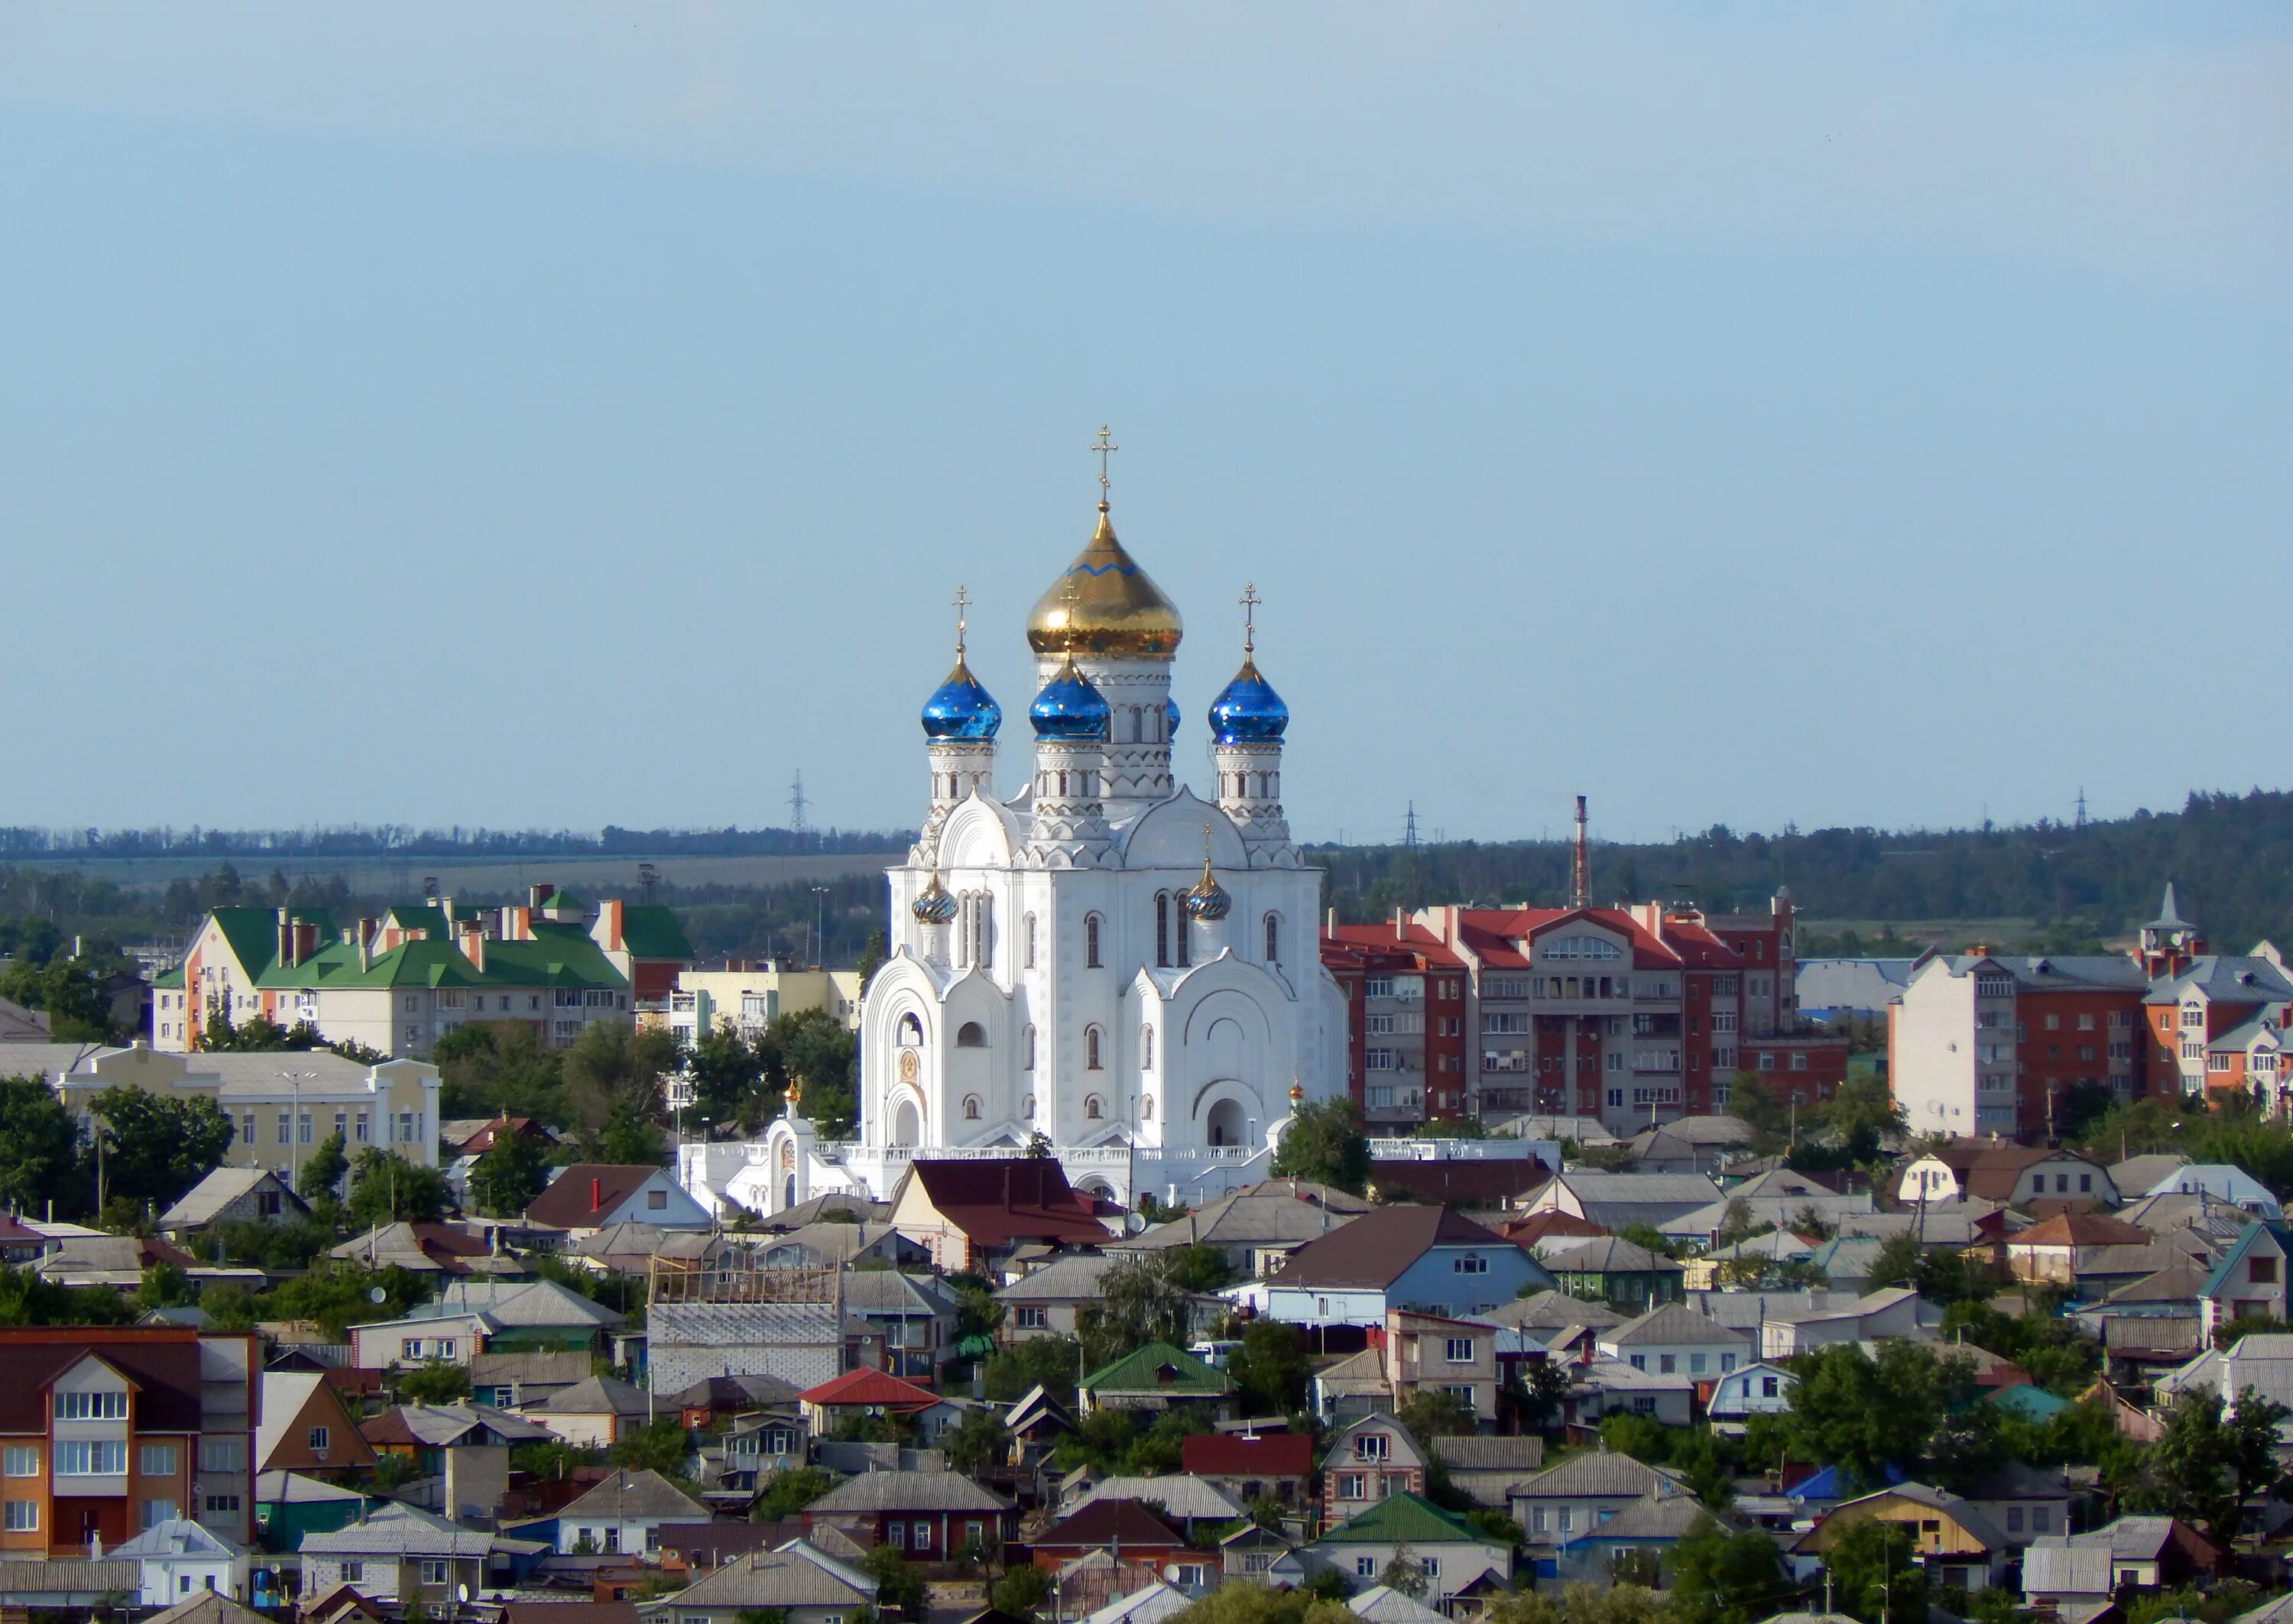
(1375, 1248)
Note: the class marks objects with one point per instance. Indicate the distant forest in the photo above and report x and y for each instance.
(2230, 858)
(395, 840)
(2044, 887)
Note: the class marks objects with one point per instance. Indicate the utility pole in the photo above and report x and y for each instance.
(1409, 828)
(819, 913)
(797, 804)
(2080, 822)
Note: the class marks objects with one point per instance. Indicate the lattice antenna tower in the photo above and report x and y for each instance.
(797, 803)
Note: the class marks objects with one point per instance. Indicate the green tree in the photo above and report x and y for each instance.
(1020, 1591)
(976, 1442)
(1864, 1415)
(1137, 1304)
(898, 1585)
(38, 1149)
(1404, 1573)
(321, 1177)
(1198, 1267)
(2203, 1467)
(785, 1493)
(1270, 1369)
(813, 1048)
(1430, 1413)
(505, 1180)
(496, 1068)
(872, 954)
(661, 1446)
(1326, 1142)
(434, 1382)
(27, 1299)
(1900, 1262)
(1873, 1574)
(156, 1146)
(163, 1285)
(385, 1188)
(728, 1078)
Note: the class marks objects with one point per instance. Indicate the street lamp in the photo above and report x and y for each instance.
(819, 914)
(295, 1122)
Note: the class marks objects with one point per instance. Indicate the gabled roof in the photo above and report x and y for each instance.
(1230, 1455)
(1180, 1494)
(1159, 1367)
(580, 1197)
(2225, 978)
(1103, 1523)
(174, 1537)
(635, 1494)
(1000, 1202)
(396, 1528)
(1383, 1604)
(1378, 1248)
(206, 1607)
(204, 1201)
(1655, 1518)
(1070, 1277)
(782, 1578)
(1551, 1311)
(1611, 1255)
(1476, 1453)
(909, 1491)
(2224, 1269)
(1673, 1325)
(1598, 1473)
(1405, 1518)
(2080, 1229)
(1467, 1184)
(1551, 1223)
(595, 1395)
(874, 1388)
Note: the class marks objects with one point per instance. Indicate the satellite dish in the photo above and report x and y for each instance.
(462, 1593)
(376, 1296)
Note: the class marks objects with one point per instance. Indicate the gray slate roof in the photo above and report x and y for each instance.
(1071, 1277)
(1280, 1212)
(1610, 1254)
(909, 1491)
(1673, 1325)
(1598, 1473)
(635, 1494)
(519, 1302)
(1549, 1311)
(785, 1577)
(1666, 1516)
(595, 1395)
(399, 1529)
(204, 1201)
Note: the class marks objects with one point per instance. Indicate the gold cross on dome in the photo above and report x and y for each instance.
(962, 601)
(1250, 602)
(1104, 447)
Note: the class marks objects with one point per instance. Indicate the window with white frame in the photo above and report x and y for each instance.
(1459, 1350)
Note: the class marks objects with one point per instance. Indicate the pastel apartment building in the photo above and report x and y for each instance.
(105, 1433)
(1406, 1049)
(1634, 1015)
(399, 982)
(1984, 1044)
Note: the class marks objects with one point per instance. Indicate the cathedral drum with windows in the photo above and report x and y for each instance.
(1105, 958)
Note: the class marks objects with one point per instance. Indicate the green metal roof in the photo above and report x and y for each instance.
(653, 932)
(1403, 1518)
(419, 918)
(168, 980)
(1140, 1372)
(559, 956)
(253, 932)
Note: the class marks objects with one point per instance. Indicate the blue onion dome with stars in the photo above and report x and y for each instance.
(934, 904)
(1247, 710)
(961, 708)
(1206, 899)
(1170, 718)
(1069, 708)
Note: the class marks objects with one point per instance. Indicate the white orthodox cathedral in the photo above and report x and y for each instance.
(1104, 957)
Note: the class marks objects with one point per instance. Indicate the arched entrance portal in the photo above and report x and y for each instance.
(1226, 1124)
(907, 1126)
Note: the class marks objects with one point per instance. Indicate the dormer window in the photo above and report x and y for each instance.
(1371, 1446)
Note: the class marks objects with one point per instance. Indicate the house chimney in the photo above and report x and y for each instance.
(286, 945)
(1580, 869)
(609, 923)
(598, 1194)
(473, 944)
(306, 940)
(1330, 923)
(536, 895)
(1400, 923)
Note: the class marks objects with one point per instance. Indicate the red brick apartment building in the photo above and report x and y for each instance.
(1986, 1044)
(1634, 1014)
(104, 1432)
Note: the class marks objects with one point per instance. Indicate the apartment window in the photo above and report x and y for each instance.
(1377, 1026)
(286, 1127)
(20, 1460)
(1432, 1566)
(1799, 1062)
(1644, 1404)
(361, 1127)
(91, 1458)
(23, 1516)
(320, 1439)
(246, 1128)
(92, 1407)
(1463, 1392)
(1459, 1350)
(445, 1347)
(1381, 1096)
(436, 1571)
(303, 1128)
(222, 1454)
(410, 1348)
(150, 1514)
(1381, 1060)
(1378, 987)
(1697, 1363)
(1566, 1519)
(1667, 1364)
(156, 1459)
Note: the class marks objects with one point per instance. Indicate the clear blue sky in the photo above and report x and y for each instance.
(561, 414)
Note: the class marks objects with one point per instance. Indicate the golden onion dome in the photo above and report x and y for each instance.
(1104, 605)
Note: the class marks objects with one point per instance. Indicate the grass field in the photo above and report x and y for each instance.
(585, 876)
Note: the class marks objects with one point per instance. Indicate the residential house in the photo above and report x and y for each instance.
(2024, 1502)
(1615, 1202)
(1384, 1604)
(1043, 1301)
(1158, 1604)
(1157, 1376)
(1622, 1273)
(1562, 1501)
(398, 1554)
(1893, 1311)
(110, 1431)
(915, 1314)
(1553, 1311)
(1543, 1234)
(1959, 1545)
(1427, 1259)
(205, 1606)
(861, 1393)
(1606, 1386)
(1486, 1469)
(514, 1381)
(642, 1249)
(714, 1401)
(180, 1559)
(797, 1581)
(19, 1243)
(624, 1514)
(690, 1549)
(2249, 1282)
(2261, 1362)
(1036, 1423)
(1194, 1506)
(474, 1136)
(2221, 1182)
(1756, 1389)
(234, 1195)
(1410, 1353)
(2133, 1552)
(2060, 1250)
(1674, 1339)
(289, 1505)
(758, 1444)
(594, 1413)
(306, 1428)
(973, 1215)
(1487, 1185)
(1369, 1460)
(931, 1515)
(1451, 1555)
(475, 1317)
(1693, 1144)
(431, 1250)
(1262, 1556)
(423, 1432)
(1118, 1523)
(591, 1196)
(1251, 1466)
(75, 1583)
(2018, 1175)
(1651, 1528)
(119, 1261)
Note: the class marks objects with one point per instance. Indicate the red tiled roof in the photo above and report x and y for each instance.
(2081, 1229)
(1011, 1200)
(1466, 1183)
(870, 1387)
(1697, 946)
(1527, 1232)
(163, 1361)
(1413, 941)
(582, 1196)
(1226, 1455)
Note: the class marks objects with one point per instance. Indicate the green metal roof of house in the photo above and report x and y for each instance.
(1140, 1372)
(420, 917)
(1403, 1518)
(558, 956)
(563, 902)
(253, 932)
(2032, 1404)
(410, 964)
(168, 980)
(653, 932)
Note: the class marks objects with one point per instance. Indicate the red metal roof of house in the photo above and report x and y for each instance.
(1008, 1200)
(582, 1196)
(874, 1388)
(163, 1361)
(1105, 1523)
(2081, 1229)
(1377, 1248)
(1410, 940)
(1267, 1455)
(1527, 1232)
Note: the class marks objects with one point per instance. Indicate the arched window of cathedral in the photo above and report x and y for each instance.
(911, 1032)
(1027, 1051)
(1163, 929)
(971, 1034)
(1030, 933)
(1091, 941)
(971, 1108)
(1145, 1108)
(1027, 1107)
(1185, 943)
(1091, 1049)
(1273, 939)
(977, 922)
(1093, 1110)
(1146, 1048)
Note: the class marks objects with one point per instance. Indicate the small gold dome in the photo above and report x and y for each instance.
(1104, 605)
